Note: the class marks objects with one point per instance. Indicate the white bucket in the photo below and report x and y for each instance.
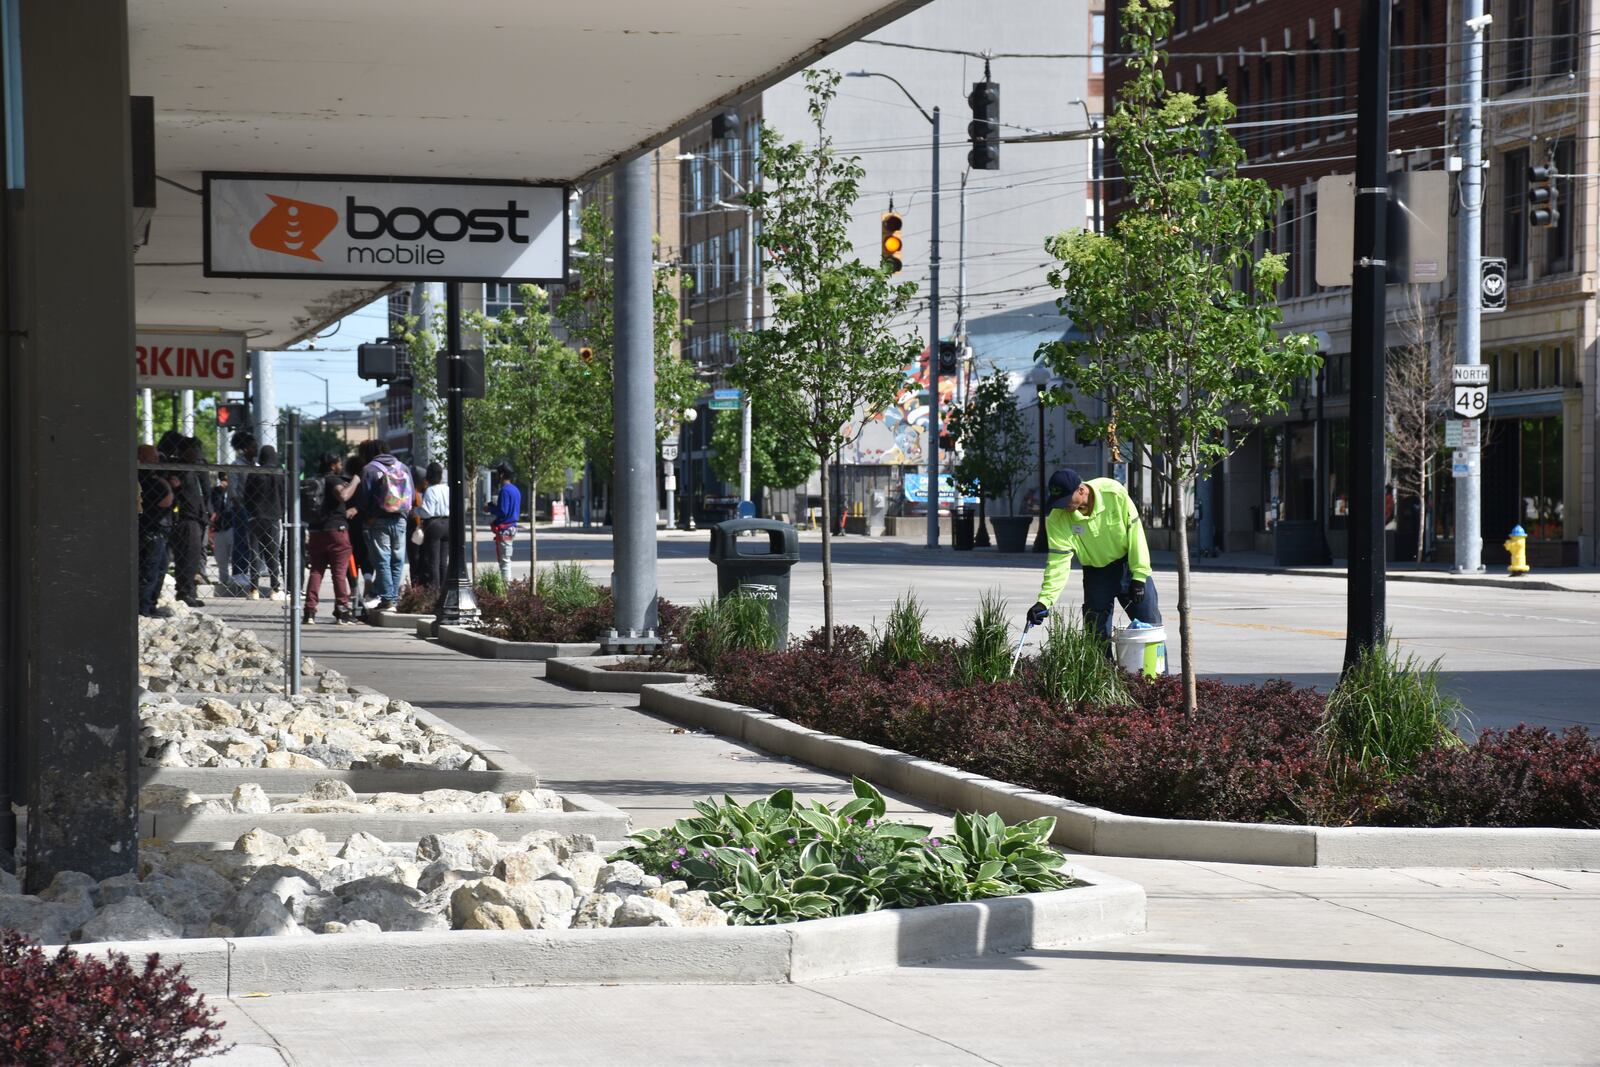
(1142, 651)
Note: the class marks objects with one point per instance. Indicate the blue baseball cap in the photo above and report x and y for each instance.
(1063, 483)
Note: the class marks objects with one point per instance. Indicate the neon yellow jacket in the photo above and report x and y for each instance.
(1111, 531)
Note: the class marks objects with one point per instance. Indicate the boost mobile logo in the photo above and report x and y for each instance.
(294, 227)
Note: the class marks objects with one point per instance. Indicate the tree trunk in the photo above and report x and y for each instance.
(533, 524)
(1422, 506)
(471, 497)
(1185, 631)
(827, 559)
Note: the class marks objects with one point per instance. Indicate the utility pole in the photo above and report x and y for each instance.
(186, 419)
(457, 606)
(1365, 596)
(746, 417)
(933, 352)
(1469, 295)
(421, 424)
(147, 416)
(265, 398)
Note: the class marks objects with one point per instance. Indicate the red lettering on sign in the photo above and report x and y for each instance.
(222, 364)
(139, 350)
(162, 356)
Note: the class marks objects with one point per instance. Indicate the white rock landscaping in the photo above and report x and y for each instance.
(332, 796)
(304, 884)
(193, 652)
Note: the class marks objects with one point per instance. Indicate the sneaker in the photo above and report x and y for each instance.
(279, 595)
(194, 601)
(341, 616)
(308, 620)
(160, 613)
(388, 605)
(372, 602)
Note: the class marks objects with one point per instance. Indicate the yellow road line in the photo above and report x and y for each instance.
(1268, 627)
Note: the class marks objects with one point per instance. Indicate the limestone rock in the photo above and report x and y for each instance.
(533, 800)
(292, 760)
(644, 911)
(129, 919)
(293, 887)
(390, 905)
(596, 910)
(329, 789)
(465, 849)
(491, 917)
(71, 887)
(166, 798)
(259, 915)
(45, 921)
(250, 799)
(530, 866)
(470, 897)
(585, 868)
(440, 873)
(694, 908)
(261, 846)
(361, 844)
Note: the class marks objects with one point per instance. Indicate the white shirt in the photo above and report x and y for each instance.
(435, 502)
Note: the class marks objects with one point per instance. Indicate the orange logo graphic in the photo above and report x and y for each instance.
(294, 227)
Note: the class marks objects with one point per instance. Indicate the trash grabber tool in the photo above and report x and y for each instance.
(1017, 656)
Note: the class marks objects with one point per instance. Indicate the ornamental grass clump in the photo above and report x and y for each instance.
(902, 640)
(777, 861)
(1386, 713)
(738, 622)
(1073, 667)
(566, 587)
(986, 654)
(69, 1010)
(490, 583)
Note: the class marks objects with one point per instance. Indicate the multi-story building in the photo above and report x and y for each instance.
(992, 293)
(1290, 66)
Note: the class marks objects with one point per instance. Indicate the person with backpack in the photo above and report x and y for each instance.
(389, 493)
(324, 497)
(505, 509)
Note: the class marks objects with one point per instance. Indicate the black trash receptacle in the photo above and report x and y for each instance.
(757, 566)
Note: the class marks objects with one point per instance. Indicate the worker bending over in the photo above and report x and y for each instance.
(1097, 522)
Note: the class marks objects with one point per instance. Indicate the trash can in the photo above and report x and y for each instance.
(758, 566)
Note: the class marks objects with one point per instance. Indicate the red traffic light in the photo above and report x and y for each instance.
(233, 415)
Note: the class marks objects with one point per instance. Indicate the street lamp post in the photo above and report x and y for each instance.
(933, 312)
(689, 416)
(1039, 378)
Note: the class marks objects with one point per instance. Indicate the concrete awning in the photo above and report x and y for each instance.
(515, 89)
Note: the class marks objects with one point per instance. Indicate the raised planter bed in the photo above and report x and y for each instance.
(1087, 829)
(592, 673)
(479, 644)
(397, 620)
(743, 955)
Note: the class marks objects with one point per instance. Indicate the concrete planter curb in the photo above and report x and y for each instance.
(583, 814)
(589, 673)
(487, 647)
(395, 620)
(735, 955)
(1091, 830)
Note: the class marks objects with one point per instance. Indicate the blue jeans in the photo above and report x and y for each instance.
(1104, 585)
(153, 552)
(386, 538)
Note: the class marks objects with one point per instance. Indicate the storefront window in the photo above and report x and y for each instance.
(1338, 472)
(1541, 478)
(1300, 488)
(1271, 476)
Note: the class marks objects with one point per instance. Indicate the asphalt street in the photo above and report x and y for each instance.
(1511, 655)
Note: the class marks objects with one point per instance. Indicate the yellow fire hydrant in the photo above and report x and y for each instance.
(1517, 545)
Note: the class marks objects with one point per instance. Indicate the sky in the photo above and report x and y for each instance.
(294, 372)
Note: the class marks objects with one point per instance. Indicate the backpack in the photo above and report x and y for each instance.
(394, 492)
(313, 499)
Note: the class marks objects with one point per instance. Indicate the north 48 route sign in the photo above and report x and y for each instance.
(1470, 389)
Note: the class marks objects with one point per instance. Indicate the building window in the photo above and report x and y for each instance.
(1202, 12)
(1423, 74)
(1286, 241)
(697, 269)
(1558, 238)
(1264, 143)
(1243, 98)
(1563, 37)
(1097, 43)
(1514, 213)
(1315, 105)
(760, 253)
(500, 296)
(697, 186)
(1308, 276)
(1291, 84)
(1542, 490)
(714, 264)
(1518, 44)
(735, 255)
(1341, 87)
(1397, 53)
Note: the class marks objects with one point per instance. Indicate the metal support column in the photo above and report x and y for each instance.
(1469, 295)
(457, 606)
(1365, 597)
(291, 481)
(933, 351)
(633, 535)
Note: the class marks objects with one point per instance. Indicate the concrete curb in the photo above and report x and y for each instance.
(487, 647)
(1086, 829)
(395, 620)
(583, 814)
(735, 955)
(1439, 578)
(280, 781)
(588, 673)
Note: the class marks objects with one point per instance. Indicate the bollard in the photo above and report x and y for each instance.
(1517, 545)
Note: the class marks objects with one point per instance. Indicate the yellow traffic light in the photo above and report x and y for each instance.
(892, 242)
(586, 354)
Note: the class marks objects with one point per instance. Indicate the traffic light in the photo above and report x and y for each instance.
(379, 361)
(984, 129)
(1543, 211)
(586, 354)
(233, 416)
(949, 358)
(892, 242)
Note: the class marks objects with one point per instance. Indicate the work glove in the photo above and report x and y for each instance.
(1135, 592)
(1037, 614)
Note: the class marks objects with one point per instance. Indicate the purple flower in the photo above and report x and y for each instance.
(869, 824)
(791, 840)
(933, 842)
(751, 850)
(683, 852)
(705, 852)
(674, 864)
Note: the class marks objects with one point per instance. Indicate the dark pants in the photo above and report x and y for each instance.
(1104, 585)
(266, 551)
(188, 554)
(152, 568)
(330, 549)
(435, 553)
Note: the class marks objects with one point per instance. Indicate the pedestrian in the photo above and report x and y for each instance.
(360, 554)
(1097, 522)
(505, 509)
(264, 494)
(414, 534)
(244, 562)
(188, 535)
(222, 533)
(324, 498)
(435, 513)
(155, 523)
(388, 501)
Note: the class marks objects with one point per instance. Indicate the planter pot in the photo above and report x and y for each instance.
(961, 529)
(1011, 532)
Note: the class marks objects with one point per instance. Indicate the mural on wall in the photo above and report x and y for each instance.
(898, 435)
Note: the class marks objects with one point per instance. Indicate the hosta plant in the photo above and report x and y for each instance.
(777, 861)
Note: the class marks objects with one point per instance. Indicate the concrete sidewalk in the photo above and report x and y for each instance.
(1240, 964)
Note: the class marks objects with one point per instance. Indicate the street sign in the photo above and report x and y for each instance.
(373, 227)
(669, 451)
(1471, 401)
(1492, 284)
(725, 400)
(189, 360)
(1463, 433)
(1469, 374)
(1452, 432)
(1417, 228)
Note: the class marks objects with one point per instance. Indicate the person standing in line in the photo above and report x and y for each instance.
(155, 523)
(188, 536)
(328, 543)
(505, 509)
(388, 496)
(435, 513)
(414, 534)
(244, 555)
(222, 533)
(265, 495)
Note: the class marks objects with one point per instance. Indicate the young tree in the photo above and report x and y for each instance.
(830, 353)
(996, 451)
(777, 460)
(1418, 389)
(1171, 332)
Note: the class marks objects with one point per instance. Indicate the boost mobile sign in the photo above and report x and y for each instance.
(359, 228)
